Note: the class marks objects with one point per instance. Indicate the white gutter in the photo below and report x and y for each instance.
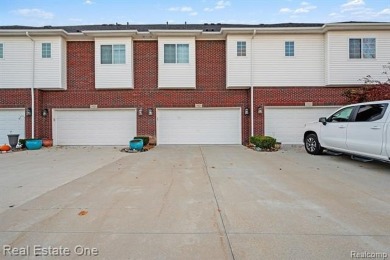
(252, 101)
(32, 88)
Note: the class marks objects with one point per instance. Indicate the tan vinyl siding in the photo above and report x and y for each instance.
(48, 70)
(176, 75)
(272, 68)
(16, 66)
(114, 76)
(343, 70)
(16, 69)
(238, 67)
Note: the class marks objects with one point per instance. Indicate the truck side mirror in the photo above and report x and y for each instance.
(322, 120)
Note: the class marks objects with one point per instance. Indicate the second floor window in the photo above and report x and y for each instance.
(362, 48)
(241, 48)
(1, 51)
(113, 54)
(289, 49)
(176, 53)
(46, 50)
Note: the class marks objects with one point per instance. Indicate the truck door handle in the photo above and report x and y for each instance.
(375, 127)
(342, 126)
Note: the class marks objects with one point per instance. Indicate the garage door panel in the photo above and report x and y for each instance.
(287, 124)
(95, 127)
(11, 121)
(199, 126)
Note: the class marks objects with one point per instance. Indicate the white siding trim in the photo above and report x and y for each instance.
(114, 76)
(345, 71)
(177, 75)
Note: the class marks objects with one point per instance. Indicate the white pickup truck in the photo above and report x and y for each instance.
(362, 130)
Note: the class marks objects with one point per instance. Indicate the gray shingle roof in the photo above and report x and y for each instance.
(146, 27)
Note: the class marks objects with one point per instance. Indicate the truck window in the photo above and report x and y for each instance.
(369, 113)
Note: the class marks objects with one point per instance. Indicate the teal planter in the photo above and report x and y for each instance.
(34, 144)
(136, 144)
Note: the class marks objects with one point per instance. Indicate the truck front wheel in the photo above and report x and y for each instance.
(312, 145)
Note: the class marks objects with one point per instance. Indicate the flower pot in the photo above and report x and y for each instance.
(13, 140)
(47, 142)
(34, 144)
(136, 144)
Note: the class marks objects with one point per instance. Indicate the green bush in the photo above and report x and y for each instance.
(264, 142)
(144, 138)
(22, 143)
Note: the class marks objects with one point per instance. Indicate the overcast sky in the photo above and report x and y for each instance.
(72, 12)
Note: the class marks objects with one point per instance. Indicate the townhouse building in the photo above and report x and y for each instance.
(183, 84)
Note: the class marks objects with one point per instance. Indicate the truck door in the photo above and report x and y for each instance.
(365, 133)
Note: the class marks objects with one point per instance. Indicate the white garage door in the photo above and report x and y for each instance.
(287, 124)
(94, 127)
(199, 126)
(11, 121)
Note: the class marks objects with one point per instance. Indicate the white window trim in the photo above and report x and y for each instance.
(112, 64)
(361, 49)
(51, 50)
(246, 50)
(176, 63)
(284, 50)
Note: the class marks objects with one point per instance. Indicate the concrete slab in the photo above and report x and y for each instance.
(195, 202)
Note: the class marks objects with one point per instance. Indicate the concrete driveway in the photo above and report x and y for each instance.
(192, 202)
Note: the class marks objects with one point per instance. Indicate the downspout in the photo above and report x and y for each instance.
(252, 94)
(32, 88)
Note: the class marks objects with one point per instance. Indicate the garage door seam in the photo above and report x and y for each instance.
(216, 201)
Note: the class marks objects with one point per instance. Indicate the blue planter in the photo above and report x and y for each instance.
(136, 144)
(34, 144)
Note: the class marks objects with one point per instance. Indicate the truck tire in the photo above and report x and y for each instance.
(312, 145)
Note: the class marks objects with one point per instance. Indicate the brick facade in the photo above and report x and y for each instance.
(210, 91)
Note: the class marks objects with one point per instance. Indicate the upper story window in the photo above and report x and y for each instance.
(113, 54)
(1, 50)
(241, 48)
(289, 49)
(362, 48)
(46, 50)
(176, 53)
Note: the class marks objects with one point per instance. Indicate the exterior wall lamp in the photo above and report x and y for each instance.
(260, 110)
(150, 111)
(28, 111)
(45, 112)
(140, 111)
(246, 111)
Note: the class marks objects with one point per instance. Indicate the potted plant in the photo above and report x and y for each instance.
(34, 144)
(13, 139)
(47, 142)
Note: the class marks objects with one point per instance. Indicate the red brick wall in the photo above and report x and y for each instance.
(210, 80)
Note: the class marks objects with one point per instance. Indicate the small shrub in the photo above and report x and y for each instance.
(144, 138)
(264, 142)
(22, 143)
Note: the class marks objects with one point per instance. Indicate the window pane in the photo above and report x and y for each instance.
(46, 50)
(119, 54)
(183, 53)
(1, 51)
(369, 48)
(241, 48)
(169, 53)
(342, 115)
(355, 48)
(289, 49)
(106, 54)
(370, 112)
